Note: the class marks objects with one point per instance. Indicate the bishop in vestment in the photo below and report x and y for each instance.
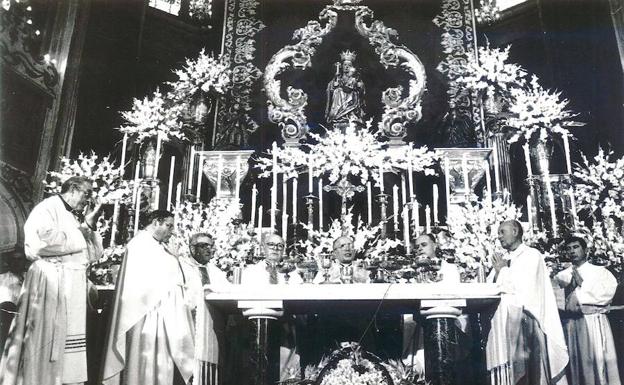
(46, 344)
(150, 340)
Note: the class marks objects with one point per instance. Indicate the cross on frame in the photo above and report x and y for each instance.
(345, 189)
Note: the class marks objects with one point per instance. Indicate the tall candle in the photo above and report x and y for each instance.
(272, 209)
(238, 179)
(551, 202)
(135, 186)
(310, 185)
(219, 174)
(406, 240)
(114, 225)
(156, 197)
(254, 192)
(189, 187)
(381, 176)
(416, 217)
(320, 188)
(465, 177)
(529, 201)
(158, 145)
(527, 159)
(284, 207)
(428, 219)
(573, 207)
(260, 224)
(395, 207)
(178, 196)
(122, 166)
(274, 185)
(137, 209)
(295, 184)
(170, 185)
(369, 202)
(488, 182)
(404, 207)
(436, 219)
(496, 169)
(566, 149)
(447, 183)
(200, 167)
(410, 174)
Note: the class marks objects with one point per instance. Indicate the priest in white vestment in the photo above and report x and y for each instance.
(344, 268)
(530, 339)
(47, 341)
(209, 323)
(589, 290)
(150, 341)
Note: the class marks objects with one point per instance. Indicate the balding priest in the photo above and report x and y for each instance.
(150, 341)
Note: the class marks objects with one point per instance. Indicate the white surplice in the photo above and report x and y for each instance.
(258, 274)
(593, 359)
(47, 341)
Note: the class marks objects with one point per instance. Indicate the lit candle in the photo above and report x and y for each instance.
(488, 183)
(284, 207)
(310, 185)
(170, 185)
(465, 177)
(254, 192)
(496, 169)
(122, 166)
(294, 198)
(395, 207)
(566, 149)
(428, 219)
(416, 217)
(381, 176)
(260, 224)
(320, 187)
(527, 159)
(200, 166)
(410, 174)
(219, 174)
(369, 202)
(191, 167)
(529, 201)
(158, 145)
(114, 225)
(447, 183)
(178, 196)
(436, 220)
(238, 179)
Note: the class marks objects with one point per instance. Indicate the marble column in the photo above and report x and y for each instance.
(264, 349)
(441, 341)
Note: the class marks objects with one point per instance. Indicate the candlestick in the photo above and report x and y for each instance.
(464, 165)
(404, 207)
(254, 192)
(219, 175)
(527, 159)
(395, 208)
(295, 198)
(381, 176)
(178, 196)
(488, 183)
(122, 166)
(427, 219)
(369, 202)
(320, 188)
(447, 186)
(566, 149)
(158, 145)
(170, 185)
(436, 219)
(260, 224)
(284, 207)
(529, 201)
(114, 225)
(406, 240)
(238, 179)
(416, 217)
(200, 167)
(383, 201)
(410, 173)
(191, 167)
(310, 204)
(496, 169)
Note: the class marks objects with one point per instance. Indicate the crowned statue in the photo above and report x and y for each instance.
(345, 93)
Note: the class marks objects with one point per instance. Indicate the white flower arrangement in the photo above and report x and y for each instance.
(200, 9)
(347, 371)
(234, 241)
(356, 152)
(205, 73)
(491, 76)
(474, 229)
(154, 116)
(108, 185)
(538, 111)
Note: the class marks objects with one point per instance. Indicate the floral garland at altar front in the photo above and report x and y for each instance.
(235, 243)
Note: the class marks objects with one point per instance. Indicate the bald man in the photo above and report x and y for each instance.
(344, 269)
(540, 354)
(267, 271)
